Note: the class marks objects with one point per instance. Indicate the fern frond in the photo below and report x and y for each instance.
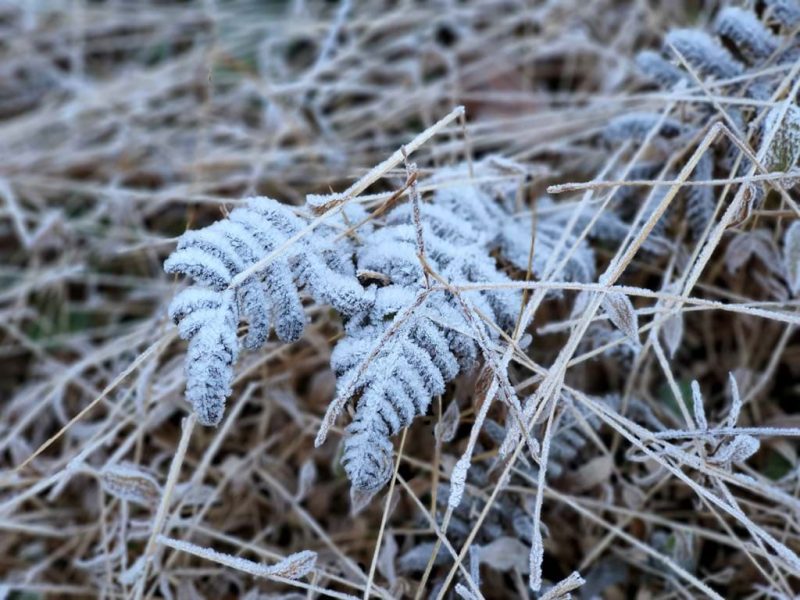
(785, 12)
(208, 313)
(480, 212)
(636, 126)
(743, 30)
(208, 319)
(700, 200)
(703, 53)
(659, 70)
(753, 39)
(401, 352)
(515, 244)
(397, 384)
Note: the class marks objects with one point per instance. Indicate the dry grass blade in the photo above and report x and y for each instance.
(532, 270)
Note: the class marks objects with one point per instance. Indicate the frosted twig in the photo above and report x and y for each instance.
(163, 507)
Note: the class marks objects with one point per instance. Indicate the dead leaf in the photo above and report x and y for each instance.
(672, 332)
(592, 473)
(621, 312)
(306, 479)
(504, 554)
(445, 430)
(129, 482)
(387, 557)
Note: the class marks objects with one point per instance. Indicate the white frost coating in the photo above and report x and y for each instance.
(659, 70)
(562, 590)
(736, 402)
(736, 450)
(786, 12)
(464, 592)
(721, 446)
(515, 241)
(699, 409)
(700, 199)
(743, 29)
(394, 378)
(395, 386)
(757, 243)
(485, 207)
(672, 332)
(205, 268)
(208, 313)
(129, 482)
(536, 558)
(784, 151)
(621, 312)
(213, 349)
(293, 566)
(791, 256)
(703, 53)
(458, 482)
(636, 126)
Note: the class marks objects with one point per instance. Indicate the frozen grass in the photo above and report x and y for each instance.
(659, 402)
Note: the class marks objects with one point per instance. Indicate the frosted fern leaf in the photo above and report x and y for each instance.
(786, 12)
(208, 319)
(659, 70)
(743, 30)
(739, 44)
(700, 200)
(208, 313)
(637, 125)
(403, 350)
(396, 386)
(703, 53)
(481, 212)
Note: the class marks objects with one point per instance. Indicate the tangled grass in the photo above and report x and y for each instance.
(662, 459)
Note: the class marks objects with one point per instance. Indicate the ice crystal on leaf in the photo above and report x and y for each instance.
(208, 313)
(729, 58)
(703, 53)
(791, 256)
(407, 336)
(751, 38)
(786, 12)
(207, 319)
(401, 352)
(784, 151)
